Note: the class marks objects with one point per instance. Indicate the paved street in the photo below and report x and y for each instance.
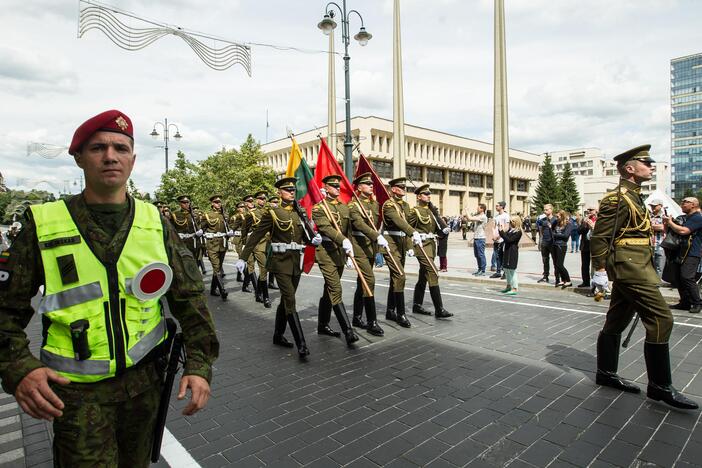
(507, 382)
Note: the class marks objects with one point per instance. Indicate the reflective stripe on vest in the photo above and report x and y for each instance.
(122, 329)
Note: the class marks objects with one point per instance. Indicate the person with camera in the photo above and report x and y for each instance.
(690, 249)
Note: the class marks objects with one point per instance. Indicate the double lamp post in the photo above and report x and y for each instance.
(327, 25)
(166, 126)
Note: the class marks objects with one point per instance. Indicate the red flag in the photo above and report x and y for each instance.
(328, 165)
(379, 190)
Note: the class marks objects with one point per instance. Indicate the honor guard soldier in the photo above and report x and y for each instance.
(105, 261)
(332, 219)
(216, 238)
(365, 216)
(249, 202)
(188, 229)
(273, 202)
(160, 205)
(395, 215)
(621, 251)
(289, 233)
(253, 217)
(427, 222)
(236, 222)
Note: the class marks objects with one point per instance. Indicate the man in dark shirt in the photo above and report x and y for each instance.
(586, 225)
(545, 225)
(690, 253)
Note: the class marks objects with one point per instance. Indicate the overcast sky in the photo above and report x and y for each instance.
(580, 73)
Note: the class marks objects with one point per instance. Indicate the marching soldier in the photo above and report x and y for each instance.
(289, 234)
(188, 229)
(427, 223)
(395, 214)
(216, 234)
(331, 256)
(365, 216)
(253, 217)
(273, 202)
(236, 222)
(621, 250)
(251, 265)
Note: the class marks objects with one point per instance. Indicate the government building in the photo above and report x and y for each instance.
(686, 123)
(458, 169)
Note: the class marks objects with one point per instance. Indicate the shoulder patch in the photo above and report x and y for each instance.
(4, 256)
(5, 276)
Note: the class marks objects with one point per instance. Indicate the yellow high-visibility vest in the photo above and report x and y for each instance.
(122, 329)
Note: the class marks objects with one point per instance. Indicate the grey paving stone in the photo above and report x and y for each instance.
(671, 435)
(423, 454)
(563, 434)
(316, 450)
(502, 452)
(541, 453)
(389, 451)
(580, 453)
(659, 453)
(245, 449)
(619, 453)
(464, 452)
(528, 433)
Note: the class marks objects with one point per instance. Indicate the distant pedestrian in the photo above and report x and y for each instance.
(575, 234)
(501, 220)
(511, 235)
(479, 223)
(561, 234)
(544, 225)
(587, 224)
(689, 255)
(658, 233)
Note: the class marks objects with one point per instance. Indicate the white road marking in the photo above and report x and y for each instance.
(175, 454)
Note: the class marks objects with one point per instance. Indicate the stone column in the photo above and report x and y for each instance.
(399, 150)
(500, 181)
(331, 110)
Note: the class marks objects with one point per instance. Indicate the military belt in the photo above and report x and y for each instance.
(327, 239)
(395, 233)
(214, 235)
(237, 233)
(358, 234)
(186, 236)
(634, 241)
(426, 236)
(282, 247)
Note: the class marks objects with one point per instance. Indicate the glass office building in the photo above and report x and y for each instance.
(686, 124)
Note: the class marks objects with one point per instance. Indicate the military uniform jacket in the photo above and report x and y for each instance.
(213, 222)
(629, 261)
(184, 223)
(26, 274)
(423, 221)
(365, 216)
(330, 249)
(396, 212)
(283, 225)
(236, 224)
(251, 221)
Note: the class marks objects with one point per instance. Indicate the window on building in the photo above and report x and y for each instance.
(475, 180)
(414, 173)
(520, 185)
(435, 175)
(488, 181)
(383, 168)
(457, 178)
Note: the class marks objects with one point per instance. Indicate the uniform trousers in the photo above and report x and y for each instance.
(644, 299)
(396, 250)
(426, 272)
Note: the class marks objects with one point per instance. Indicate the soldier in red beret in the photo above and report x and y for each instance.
(105, 261)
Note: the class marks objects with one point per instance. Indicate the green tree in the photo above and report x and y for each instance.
(15, 202)
(547, 186)
(568, 195)
(181, 180)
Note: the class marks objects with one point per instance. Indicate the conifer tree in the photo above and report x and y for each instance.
(547, 186)
(568, 196)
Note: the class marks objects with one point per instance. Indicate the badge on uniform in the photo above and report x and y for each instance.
(5, 277)
(4, 256)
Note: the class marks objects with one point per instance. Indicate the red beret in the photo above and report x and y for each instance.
(108, 121)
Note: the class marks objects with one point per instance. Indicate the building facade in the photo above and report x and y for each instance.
(596, 175)
(458, 169)
(686, 124)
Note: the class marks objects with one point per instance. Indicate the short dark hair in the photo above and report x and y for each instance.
(483, 206)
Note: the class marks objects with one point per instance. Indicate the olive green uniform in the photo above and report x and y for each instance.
(365, 215)
(251, 221)
(107, 423)
(236, 223)
(185, 226)
(396, 211)
(215, 227)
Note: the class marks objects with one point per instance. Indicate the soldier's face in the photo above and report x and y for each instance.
(261, 201)
(286, 196)
(366, 189)
(641, 170)
(331, 190)
(398, 190)
(424, 197)
(107, 159)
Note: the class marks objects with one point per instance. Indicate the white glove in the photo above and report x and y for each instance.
(349, 263)
(230, 233)
(316, 240)
(382, 242)
(240, 265)
(446, 230)
(416, 238)
(600, 280)
(346, 245)
(410, 253)
(199, 233)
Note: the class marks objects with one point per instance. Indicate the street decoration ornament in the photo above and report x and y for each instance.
(152, 281)
(107, 19)
(46, 150)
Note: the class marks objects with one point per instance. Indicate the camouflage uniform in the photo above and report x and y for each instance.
(107, 423)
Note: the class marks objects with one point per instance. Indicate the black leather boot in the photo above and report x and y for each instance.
(247, 280)
(346, 328)
(439, 311)
(400, 306)
(323, 316)
(213, 287)
(418, 297)
(373, 328)
(358, 308)
(279, 330)
(239, 277)
(271, 281)
(390, 308)
(607, 363)
(220, 284)
(298, 336)
(660, 382)
(264, 294)
(257, 284)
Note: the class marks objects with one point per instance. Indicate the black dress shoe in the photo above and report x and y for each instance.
(443, 313)
(402, 321)
(610, 379)
(351, 337)
(281, 341)
(390, 315)
(418, 309)
(245, 289)
(214, 293)
(496, 275)
(669, 395)
(224, 295)
(266, 303)
(358, 322)
(679, 306)
(543, 280)
(374, 329)
(326, 330)
(584, 285)
(695, 309)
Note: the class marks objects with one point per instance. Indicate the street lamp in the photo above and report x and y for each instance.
(327, 25)
(166, 126)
